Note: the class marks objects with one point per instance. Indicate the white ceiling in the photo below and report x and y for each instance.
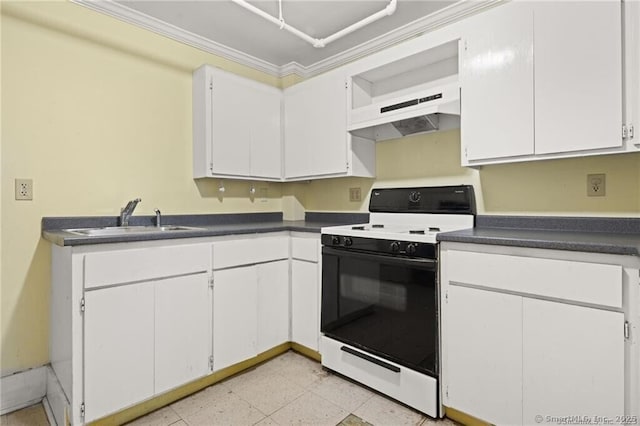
(225, 23)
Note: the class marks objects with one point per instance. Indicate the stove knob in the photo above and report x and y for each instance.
(348, 241)
(411, 248)
(395, 246)
(335, 240)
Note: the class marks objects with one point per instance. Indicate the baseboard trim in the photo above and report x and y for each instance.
(463, 418)
(48, 411)
(159, 401)
(57, 405)
(40, 384)
(22, 389)
(308, 352)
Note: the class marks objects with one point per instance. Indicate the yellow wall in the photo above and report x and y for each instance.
(553, 187)
(96, 112)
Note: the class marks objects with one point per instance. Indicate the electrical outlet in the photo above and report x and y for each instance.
(24, 189)
(355, 194)
(264, 194)
(596, 185)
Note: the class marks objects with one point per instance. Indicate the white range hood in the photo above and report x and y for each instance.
(420, 111)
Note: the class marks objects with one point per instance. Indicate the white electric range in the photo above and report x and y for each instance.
(380, 292)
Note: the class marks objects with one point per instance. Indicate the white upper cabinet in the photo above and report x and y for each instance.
(578, 75)
(497, 84)
(545, 82)
(237, 126)
(632, 71)
(316, 141)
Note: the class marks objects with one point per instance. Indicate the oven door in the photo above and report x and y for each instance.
(385, 305)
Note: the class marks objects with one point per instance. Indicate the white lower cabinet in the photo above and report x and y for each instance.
(134, 320)
(305, 328)
(305, 291)
(119, 348)
(573, 360)
(153, 336)
(250, 297)
(484, 354)
(273, 304)
(524, 334)
(182, 330)
(235, 319)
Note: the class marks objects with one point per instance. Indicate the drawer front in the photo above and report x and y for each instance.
(305, 248)
(407, 386)
(123, 266)
(595, 283)
(227, 254)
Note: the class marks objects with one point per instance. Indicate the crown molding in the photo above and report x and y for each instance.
(433, 21)
(132, 16)
(440, 18)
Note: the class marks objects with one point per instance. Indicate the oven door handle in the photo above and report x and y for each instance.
(371, 359)
(388, 259)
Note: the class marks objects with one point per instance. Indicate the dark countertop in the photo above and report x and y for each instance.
(597, 235)
(210, 226)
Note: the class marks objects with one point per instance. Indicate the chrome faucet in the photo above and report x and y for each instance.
(158, 218)
(127, 211)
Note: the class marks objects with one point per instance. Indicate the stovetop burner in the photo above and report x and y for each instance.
(394, 219)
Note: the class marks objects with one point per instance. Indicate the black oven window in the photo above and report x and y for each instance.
(385, 308)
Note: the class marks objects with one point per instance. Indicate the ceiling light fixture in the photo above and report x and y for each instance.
(317, 42)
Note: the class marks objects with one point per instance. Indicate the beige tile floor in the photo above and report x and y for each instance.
(287, 390)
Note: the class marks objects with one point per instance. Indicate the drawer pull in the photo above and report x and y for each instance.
(370, 359)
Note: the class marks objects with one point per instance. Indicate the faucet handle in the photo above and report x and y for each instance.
(158, 217)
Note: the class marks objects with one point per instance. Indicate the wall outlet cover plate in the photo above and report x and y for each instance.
(596, 185)
(24, 189)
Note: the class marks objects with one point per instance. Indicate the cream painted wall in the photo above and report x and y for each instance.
(96, 112)
(553, 187)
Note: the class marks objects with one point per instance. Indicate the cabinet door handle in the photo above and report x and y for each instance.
(370, 359)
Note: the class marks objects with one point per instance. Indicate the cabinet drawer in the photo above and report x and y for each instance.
(304, 248)
(122, 266)
(584, 282)
(231, 253)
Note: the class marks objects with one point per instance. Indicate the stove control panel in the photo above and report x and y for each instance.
(375, 245)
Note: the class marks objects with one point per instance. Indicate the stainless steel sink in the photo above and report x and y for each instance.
(130, 230)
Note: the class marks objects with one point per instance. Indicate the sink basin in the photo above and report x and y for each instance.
(129, 230)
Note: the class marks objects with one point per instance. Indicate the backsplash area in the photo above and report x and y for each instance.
(551, 187)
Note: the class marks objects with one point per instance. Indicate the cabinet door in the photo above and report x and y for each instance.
(573, 361)
(305, 326)
(497, 84)
(232, 97)
(273, 304)
(237, 126)
(632, 68)
(316, 134)
(182, 330)
(265, 122)
(118, 348)
(483, 352)
(578, 71)
(235, 307)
